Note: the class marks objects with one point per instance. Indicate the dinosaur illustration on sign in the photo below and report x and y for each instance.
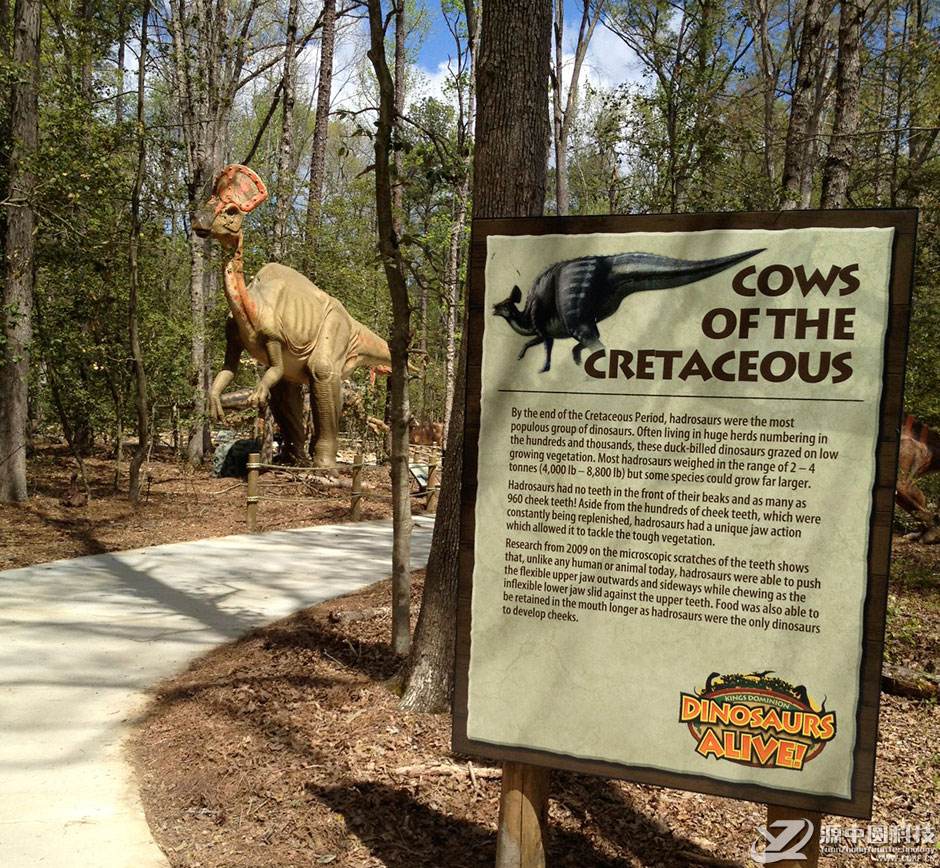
(285, 322)
(568, 299)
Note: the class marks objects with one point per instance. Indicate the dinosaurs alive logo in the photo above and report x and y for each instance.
(756, 720)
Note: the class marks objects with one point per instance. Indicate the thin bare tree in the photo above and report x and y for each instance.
(563, 117)
(137, 359)
(320, 137)
(390, 251)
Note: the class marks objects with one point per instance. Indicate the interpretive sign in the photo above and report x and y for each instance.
(678, 487)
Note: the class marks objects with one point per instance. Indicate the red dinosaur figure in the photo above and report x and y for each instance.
(425, 433)
(919, 455)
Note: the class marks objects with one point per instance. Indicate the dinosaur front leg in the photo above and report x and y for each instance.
(548, 355)
(261, 393)
(533, 343)
(233, 351)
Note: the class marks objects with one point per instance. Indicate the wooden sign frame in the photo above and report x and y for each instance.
(901, 278)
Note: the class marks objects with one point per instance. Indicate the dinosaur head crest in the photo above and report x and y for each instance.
(238, 185)
(237, 191)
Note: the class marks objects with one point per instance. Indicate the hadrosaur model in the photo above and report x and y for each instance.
(568, 299)
(285, 322)
(919, 455)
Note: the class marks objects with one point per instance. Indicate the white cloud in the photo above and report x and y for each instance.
(609, 62)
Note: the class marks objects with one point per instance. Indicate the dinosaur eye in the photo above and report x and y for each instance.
(232, 210)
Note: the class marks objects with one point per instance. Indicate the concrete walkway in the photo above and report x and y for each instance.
(80, 640)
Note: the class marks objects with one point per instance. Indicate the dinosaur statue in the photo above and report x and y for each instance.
(919, 454)
(568, 299)
(285, 322)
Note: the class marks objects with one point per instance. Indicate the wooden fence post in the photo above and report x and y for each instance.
(523, 816)
(355, 496)
(811, 849)
(433, 485)
(251, 510)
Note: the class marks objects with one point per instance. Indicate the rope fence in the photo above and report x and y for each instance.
(356, 492)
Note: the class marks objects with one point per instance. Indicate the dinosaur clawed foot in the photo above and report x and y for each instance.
(259, 397)
(927, 536)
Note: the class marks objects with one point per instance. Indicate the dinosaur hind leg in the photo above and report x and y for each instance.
(587, 337)
(287, 406)
(912, 499)
(549, 342)
(326, 403)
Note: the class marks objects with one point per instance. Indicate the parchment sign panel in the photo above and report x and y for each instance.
(674, 501)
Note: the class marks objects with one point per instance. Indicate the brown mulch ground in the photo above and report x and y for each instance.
(178, 503)
(285, 749)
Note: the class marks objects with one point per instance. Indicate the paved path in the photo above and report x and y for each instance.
(80, 640)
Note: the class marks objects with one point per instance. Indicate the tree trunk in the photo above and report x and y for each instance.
(512, 126)
(5, 44)
(798, 156)
(320, 137)
(282, 199)
(19, 247)
(563, 117)
(209, 53)
(512, 109)
(140, 374)
(835, 184)
(452, 274)
(398, 187)
(451, 299)
(388, 241)
(198, 434)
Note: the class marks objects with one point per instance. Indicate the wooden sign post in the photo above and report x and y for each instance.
(681, 440)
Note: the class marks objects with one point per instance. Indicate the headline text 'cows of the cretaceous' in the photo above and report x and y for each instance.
(285, 322)
(568, 299)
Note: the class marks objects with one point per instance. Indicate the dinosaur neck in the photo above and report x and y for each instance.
(239, 301)
(519, 322)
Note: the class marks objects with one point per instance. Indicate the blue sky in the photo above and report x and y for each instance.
(608, 63)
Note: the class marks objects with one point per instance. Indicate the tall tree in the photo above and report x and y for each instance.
(842, 145)
(283, 189)
(464, 82)
(801, 145)
(390, 250)
(690, 49)
(320, 135)
(428, 673)
(564, 116)
(211, 42)
(19, 251)
(133, 270)
(509, 179)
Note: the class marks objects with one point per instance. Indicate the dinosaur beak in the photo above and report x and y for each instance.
(642, 271)
(202, 222)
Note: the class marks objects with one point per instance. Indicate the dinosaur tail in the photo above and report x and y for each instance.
(369, 350)
(636, 272)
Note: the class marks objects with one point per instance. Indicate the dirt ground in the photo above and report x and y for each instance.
(284, 749)
(178, 503)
